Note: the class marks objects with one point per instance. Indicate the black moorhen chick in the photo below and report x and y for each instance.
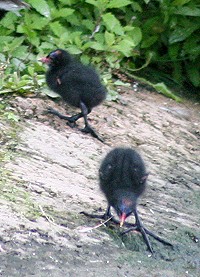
(123, 178)
(78, 84)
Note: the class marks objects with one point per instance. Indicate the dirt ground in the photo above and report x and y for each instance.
(49, 174)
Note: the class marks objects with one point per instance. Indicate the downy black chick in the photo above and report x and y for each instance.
(78, 84)
(123, 178)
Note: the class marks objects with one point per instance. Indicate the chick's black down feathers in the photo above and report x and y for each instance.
(78, 84)
(122, 176)
(74, 81)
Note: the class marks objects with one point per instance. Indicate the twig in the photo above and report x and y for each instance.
(51, 220)
(88, 229)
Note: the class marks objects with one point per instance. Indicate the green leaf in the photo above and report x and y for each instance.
(5, 42)
(109, 38)
(189, 11)
(46, 45)
(118, 3)
(88, 24)
(181, 33)
(2, 57)
(41, 6)
(18, 64)
(68, 2)
(63, 39)
(100, 38)
(11, 116)
(92, 2)
(21, 52)
(194, 74)
(31, 35)
(135, 35)
(174, 50)
(4, 91)
(37, 22)
(74, 19)
(100, 4)
(192, 47)
(86, 46)
(97, 46)
(136, 6)
(73, 49)
(180, 2)
(31, 70)
(50, 93)
(16, 42)
(62, 12)
(57, 28)
(112, 95)
(147, 42)
(162, 88)
(113, 59)
(120, 83)
(113, 24)
(125, 46)
(85, 59)
(9, 20)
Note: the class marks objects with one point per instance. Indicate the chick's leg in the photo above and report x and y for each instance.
(88, 129)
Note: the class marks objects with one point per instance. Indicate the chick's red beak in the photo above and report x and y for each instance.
(45, 60)
(122, 219)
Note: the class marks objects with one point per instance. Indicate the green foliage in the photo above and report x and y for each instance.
(112, 34)
(171, 32)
